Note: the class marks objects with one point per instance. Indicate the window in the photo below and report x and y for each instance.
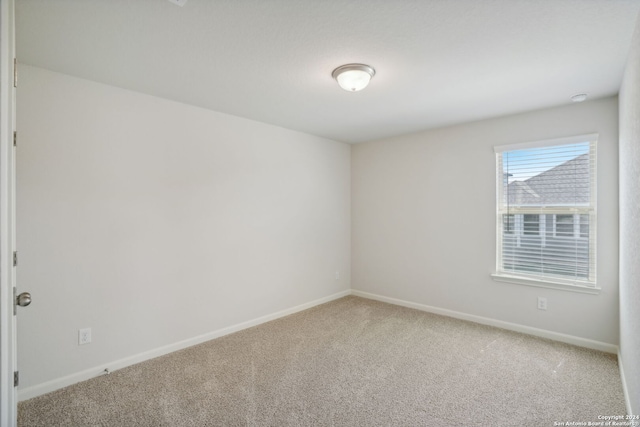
(564, 225)
(546, 216)
(532, 224)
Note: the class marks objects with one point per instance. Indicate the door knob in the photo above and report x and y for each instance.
(24, 299)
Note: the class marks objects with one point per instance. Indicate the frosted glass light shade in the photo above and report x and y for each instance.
(353, 77)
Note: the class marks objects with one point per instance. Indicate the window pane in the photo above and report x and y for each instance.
(558, 256)
(547, 179)
(547, 176)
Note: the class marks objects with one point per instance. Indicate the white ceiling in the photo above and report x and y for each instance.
(437, 62)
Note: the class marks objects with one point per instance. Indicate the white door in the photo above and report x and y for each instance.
(8, 360)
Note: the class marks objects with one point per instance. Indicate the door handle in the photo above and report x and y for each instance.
(24, 299)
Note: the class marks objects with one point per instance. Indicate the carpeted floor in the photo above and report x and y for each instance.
(350, 362)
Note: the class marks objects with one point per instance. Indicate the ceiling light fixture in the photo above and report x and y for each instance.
(579, 97)
(353, 77)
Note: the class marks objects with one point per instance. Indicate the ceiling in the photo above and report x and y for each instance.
(438, 62)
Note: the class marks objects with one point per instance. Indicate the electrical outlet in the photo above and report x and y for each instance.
(542, 303)
(84, 336)
(337, 275)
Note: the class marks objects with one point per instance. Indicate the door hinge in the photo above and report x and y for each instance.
(15, 138)
(15, 72)
(15, 258)
(16, 378)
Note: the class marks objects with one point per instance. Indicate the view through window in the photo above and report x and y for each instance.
(546, 211)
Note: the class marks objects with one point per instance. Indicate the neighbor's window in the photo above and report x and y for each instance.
(564, 225)
(546, 216)
(531, 224)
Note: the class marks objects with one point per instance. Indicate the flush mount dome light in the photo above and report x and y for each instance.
(353, 77)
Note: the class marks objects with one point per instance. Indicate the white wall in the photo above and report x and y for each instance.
(630, 223)
(423, 221)
(153, 222)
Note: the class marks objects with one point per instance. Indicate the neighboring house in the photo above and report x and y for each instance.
(525, 236)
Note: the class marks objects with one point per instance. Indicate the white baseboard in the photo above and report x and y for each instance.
(58, 383)
(556, 336)
(625, 390)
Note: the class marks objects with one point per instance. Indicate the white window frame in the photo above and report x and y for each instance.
(587, 286)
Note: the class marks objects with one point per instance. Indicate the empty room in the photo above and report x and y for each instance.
(320, 213)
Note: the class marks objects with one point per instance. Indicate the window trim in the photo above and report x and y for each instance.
(589, 286)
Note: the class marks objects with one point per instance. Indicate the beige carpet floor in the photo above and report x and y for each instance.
(350, 362)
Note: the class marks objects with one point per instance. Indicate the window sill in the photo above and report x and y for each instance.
(550, 284)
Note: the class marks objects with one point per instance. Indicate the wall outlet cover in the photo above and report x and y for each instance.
(542, 303)
(84, 336)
